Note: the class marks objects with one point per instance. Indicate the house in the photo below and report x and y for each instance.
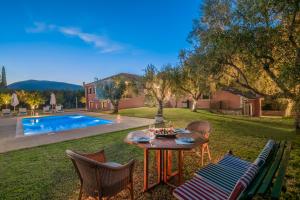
(232, 101)
(129, 101)
(227, 100)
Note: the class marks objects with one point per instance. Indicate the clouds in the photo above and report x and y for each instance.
(102, 43)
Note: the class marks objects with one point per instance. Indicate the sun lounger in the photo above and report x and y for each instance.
(46, 109)
(234, 178)
(59, 109)
(6, 112)
(22, 111)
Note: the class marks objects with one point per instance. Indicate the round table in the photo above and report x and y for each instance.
(164, 148)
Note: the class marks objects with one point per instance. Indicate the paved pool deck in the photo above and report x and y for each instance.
(12, 137)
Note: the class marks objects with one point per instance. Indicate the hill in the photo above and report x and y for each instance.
(31, 85)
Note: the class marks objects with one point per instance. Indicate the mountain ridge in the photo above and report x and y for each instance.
(43, 85)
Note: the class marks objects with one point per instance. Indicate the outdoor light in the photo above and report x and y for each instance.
(118, 118)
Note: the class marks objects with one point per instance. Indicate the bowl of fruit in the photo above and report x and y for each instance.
(164, 133)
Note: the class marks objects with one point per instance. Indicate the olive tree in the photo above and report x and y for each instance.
(157, 84)
(113, 90)
(34, 100)
(5, 98)
(253, 45)
(193, 77)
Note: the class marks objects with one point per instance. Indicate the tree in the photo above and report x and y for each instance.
(5, 99)
(60, 98)
(112, 90)
(193, 77)
(34, 99)
(82, 100)
(158, 84)
(3, 77)
(254, 46)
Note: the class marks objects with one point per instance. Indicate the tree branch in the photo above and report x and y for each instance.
(238, 70)
(292, 26)
(279, 84)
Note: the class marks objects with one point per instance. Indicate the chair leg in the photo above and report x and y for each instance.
(208, 152)
(202, 154)
(80, 192)
(131, 191)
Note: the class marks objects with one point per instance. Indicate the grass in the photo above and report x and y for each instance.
(46, 173)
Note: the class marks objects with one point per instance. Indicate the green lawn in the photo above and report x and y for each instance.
(46, 173)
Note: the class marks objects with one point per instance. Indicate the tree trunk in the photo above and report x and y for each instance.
(194, 105)
(297, 116)
(116, 107)
(159, 115)
(289, 108)
(160, 108)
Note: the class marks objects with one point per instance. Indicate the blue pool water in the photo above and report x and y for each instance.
(49, 124)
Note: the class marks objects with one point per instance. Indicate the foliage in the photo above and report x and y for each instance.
(46, 172)
(67, 98)
(158, 84)
(34, 100)
(3, 82)
(112, 90)
(5, 99)
(193, 77)
(253, 45)
(82, 100)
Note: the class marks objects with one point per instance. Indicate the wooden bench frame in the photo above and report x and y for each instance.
(270, 180)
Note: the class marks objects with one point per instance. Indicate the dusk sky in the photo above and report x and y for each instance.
(76, 41)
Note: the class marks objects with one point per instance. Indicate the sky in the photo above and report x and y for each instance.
(76, 41)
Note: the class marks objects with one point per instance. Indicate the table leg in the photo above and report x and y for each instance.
(146, 168)
(169, 163)
(180, 167)
(158, 165)
(165, 166)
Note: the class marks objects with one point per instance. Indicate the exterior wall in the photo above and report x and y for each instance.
(179, 104)
(92, 103)
(256, 107)
(226, 100)
(272, 113)
(90, 94)
(134, 102)
(203, 103)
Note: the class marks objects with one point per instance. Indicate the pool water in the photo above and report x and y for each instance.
(52, 124)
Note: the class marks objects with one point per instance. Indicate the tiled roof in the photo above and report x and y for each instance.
(247, 94)
(124, 75)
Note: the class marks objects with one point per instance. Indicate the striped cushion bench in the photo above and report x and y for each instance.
(235, 163)
(261, 159)
(232, 178)
(244, 182)
(222, 176)
(201, 188)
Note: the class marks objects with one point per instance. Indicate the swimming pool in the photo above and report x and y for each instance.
(52, 124)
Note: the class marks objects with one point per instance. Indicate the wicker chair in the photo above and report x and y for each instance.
(203, 128)
(101, 178)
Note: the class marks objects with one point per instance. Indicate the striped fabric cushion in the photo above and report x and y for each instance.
(200, 189)
(220, 175)
(235, 163)
(243, 182)
(261, 159)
